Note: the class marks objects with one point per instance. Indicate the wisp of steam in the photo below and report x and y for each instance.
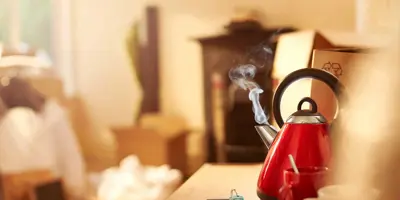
(243, 76)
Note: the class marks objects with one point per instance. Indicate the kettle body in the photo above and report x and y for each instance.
(304, 135)
(310, 146)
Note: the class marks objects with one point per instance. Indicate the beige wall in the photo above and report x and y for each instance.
(101, 64)
(103, 75)
(377, 15)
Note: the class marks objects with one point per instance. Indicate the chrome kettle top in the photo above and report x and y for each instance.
(306, 116)
(302, 116)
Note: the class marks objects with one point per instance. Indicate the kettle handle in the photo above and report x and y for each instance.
(314, 73)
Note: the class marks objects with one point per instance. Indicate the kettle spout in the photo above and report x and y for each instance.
(267, 133)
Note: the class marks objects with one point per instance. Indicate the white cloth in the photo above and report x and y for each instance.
(133, 181)
(45, 140)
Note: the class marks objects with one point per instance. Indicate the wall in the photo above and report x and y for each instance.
(103, 73)
(376, 16)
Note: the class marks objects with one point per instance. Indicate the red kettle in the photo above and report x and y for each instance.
(305, 135)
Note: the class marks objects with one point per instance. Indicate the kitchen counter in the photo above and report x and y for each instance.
(214, 181)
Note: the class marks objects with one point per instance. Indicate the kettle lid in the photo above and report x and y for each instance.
(307, 116)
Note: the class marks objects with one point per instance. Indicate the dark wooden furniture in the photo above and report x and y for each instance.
(52, 190)
(220, 54)
(147, 63)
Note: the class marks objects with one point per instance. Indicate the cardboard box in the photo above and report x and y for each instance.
(295, 51)
(339, 63)
(153, 147)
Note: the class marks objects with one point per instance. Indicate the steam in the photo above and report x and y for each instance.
(243, 76)
(259, 114)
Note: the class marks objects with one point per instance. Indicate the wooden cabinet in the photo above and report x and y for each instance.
(220, 54)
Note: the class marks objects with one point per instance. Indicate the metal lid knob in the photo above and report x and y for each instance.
(307, 116)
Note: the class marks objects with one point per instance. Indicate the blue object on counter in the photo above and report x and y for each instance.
(235, 195)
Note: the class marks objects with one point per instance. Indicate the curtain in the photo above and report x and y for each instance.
(132, 45)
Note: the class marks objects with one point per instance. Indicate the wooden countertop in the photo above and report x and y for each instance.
(213, 181)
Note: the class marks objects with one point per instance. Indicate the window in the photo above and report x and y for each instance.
(34, 22)
(41, 24)
(4, 21)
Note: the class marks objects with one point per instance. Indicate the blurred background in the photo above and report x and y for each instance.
(150, 78)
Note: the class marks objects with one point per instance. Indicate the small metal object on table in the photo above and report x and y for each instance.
(215, 181)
